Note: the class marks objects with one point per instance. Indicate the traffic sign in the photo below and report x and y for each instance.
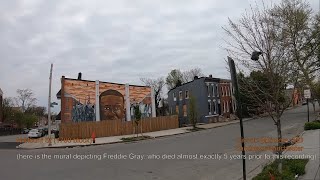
(307, 94)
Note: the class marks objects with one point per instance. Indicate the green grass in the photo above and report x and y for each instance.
(312, 125)
(290, 167)
(139, 138)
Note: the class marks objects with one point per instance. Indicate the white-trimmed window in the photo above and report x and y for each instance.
(226, 89)
(217, 90)
(222, 91)
(228, 107)
(180, 95)
(213, 90)
(187, 94)
(174, 97)
(208, 89)
(209, 106)
(214, 107)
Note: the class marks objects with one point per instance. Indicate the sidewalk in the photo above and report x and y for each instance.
(311, 147)
(117, 139)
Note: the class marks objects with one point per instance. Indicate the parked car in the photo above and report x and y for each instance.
(43, 132)
(35, 133)
(25, 130)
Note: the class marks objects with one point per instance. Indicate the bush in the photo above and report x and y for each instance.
(312, 125)
(290, 167)
(297, 166)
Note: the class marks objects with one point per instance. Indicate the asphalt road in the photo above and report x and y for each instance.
(221, 141)
(10, 142)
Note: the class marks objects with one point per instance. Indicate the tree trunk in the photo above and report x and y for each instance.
(279, 144)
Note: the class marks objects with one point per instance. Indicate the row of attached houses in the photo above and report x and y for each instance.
(213, 97)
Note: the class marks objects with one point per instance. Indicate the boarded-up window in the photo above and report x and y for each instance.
(185, 110)
(177, 109)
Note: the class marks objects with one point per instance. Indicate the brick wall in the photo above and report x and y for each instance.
(226, 98)
(83, 91)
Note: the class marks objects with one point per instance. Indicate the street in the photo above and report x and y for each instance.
(214, 143)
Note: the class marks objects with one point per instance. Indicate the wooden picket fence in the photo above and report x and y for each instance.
(116, 128)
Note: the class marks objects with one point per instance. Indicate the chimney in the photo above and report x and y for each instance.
(79, 76)
(195, 77)
(210, 76)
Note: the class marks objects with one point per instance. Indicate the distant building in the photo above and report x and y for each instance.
(210, 101)
(227, 105)
(1, 110)
(294, 95)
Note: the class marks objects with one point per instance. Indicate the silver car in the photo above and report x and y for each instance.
(34, 133)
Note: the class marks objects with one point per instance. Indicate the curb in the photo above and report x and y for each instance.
(120, 141)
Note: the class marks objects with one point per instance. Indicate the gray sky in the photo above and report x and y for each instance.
(115, 41)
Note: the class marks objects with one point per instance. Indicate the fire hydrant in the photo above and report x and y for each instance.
(93, 137)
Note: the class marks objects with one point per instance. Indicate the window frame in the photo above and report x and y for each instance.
(214, 107)
(217, 91)
(186, 96)
(180, 96)
(209, 107)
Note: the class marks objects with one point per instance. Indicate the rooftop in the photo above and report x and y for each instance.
(209, 78)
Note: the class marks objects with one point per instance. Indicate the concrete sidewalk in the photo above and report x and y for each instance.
(43, 143)
(311, 147)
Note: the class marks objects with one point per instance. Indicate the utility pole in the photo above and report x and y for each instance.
(308, 108)
(49, 106)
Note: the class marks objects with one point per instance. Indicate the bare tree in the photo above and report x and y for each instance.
(257, 30)
(157, 85)
(190, 74)
(25, 99)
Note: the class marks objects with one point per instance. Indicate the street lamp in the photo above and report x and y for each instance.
(255, 55)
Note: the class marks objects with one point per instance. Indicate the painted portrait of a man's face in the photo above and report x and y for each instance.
(111, 105)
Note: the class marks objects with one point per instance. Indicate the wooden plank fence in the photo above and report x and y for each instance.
(116, 128)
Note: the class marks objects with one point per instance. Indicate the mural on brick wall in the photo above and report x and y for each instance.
(83, 112)
(112, 105)
(144, 106)
(111, 100)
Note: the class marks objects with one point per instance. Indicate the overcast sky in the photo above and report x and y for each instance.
(110, 40)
